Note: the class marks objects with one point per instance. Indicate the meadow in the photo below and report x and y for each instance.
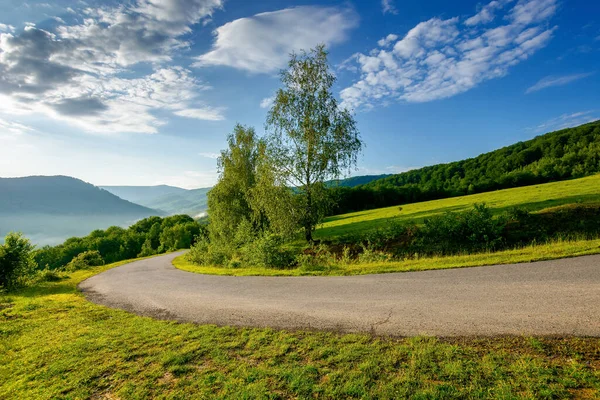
(531, 198)
(55, 344)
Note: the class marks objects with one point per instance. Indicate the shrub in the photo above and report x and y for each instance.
(16, 261)
(372, 256)
(49, 275)
(473, 230)
(90, 258)
(205, 252)
(267, 251)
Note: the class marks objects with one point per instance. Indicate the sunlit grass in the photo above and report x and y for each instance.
(55, 344)
(553, 250)
(532, 198)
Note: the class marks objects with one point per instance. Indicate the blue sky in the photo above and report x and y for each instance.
(145, 92)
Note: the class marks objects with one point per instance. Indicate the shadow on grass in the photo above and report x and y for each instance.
(419, 216)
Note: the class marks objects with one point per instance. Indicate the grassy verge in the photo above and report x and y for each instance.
(532, 198)
(550, 251)
(55, 344)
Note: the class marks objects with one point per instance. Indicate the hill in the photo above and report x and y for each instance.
(169, 199)
(564, 154)
(62, 195)
(49, 209)
(532, 198)
(140, 194)
(356, 180)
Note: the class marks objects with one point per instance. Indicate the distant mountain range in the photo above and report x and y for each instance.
(49, 209)
(168, 199)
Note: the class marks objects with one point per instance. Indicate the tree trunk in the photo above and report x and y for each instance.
(308, 216)
(308, 233)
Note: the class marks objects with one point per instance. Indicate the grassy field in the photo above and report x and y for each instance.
(532, 198)
(55, 344)
(549, 251)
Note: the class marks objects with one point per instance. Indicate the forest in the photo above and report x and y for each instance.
(564, 154)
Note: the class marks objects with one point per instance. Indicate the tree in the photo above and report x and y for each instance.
(16, 260)
(229, 200)
(311, 139)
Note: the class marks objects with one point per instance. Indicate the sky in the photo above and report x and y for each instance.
(145, 92)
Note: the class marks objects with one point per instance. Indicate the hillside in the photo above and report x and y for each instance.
(531, 198)
(140, 194)
(564, 154)
(174, 200)
(49, 209)
(169, 199)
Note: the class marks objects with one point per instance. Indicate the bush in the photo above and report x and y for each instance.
(90, 258)
(267, 251)
(16, 261)
(473, 230)
(205, 252)
(49, 275)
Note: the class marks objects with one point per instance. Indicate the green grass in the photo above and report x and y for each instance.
(533, 198)
(549, 251)
(55, 344)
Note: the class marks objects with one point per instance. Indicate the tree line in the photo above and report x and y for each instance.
(564, 154)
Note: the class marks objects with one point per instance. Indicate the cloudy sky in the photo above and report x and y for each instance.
(144, 92)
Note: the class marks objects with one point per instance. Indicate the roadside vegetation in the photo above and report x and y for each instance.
(276, 188)
(55, 344)
(22, 264)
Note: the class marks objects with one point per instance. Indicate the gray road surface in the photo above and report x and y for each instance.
(559, 297)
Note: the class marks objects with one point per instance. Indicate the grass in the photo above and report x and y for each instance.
(532, 198)
(550, 251)
(55, 344)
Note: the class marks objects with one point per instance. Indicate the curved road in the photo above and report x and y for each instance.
(560, 297)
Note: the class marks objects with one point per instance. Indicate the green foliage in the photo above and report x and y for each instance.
(229, 200)
(204, 252)
(90, 258)
(16, 261)
(470, 231)
(149, 236)
(565, 154)
(267, 251)
(311, 139)
(179, 236)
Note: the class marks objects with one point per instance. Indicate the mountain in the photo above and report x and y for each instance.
(140, 194)
(564, 154)
(356, 180)
(49, 209)
(169, 199)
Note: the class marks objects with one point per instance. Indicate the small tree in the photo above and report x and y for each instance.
(16, 260)
(229, 200)
(311, 139)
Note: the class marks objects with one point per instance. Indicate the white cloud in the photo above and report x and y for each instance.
(440, 58)
(388, 7)
(568, 120)
(267, 102)
(213, 156)
(207, 113)
(77, 72)
(262, 43)
(6, 28)
(487, 13)
(550, 81)
(386, 41)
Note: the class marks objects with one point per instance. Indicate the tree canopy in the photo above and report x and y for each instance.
(311, 140)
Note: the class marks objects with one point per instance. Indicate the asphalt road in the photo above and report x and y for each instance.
(560, 297)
